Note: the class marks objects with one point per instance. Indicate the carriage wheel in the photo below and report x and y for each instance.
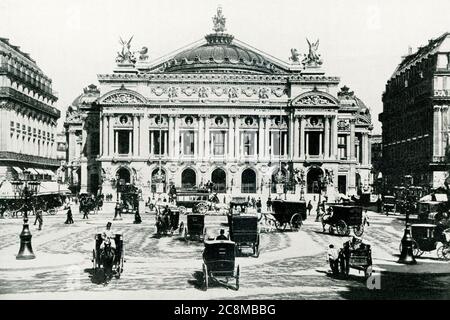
(331, 230)
(358, 230)
(182, 209)
(296, 222)
(202, 208)
(342, 228)
(205, 277)
(237, 278)
(443, 252)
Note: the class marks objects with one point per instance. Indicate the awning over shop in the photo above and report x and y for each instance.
(17, 169)
(49, 172)
(40, 171)
(52, 187)
(6, 190)
(33, 171)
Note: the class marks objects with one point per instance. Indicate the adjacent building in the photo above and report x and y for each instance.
(224, 112)
(28, 117)
(415, 116)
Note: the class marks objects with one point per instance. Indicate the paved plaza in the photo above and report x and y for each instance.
(291, 265)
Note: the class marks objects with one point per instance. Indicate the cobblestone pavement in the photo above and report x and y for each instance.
(291, 265)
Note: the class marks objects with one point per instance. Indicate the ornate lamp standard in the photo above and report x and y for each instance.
(25, 189)
(407, 256)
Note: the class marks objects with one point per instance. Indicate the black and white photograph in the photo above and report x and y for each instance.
(224, 151)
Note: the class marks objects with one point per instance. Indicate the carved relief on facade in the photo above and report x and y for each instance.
(279, 92)
(218, 91)
(263, 93)
(343, 125)
(249, 122)
(189, 91)
(314, 100)
(314, 122)
(232, 93)
(249, 91)
(123, 98)
(275, 122)
(158, 91)
(219, 122)
(172, 93)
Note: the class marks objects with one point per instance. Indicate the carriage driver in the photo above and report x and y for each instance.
(108, 237)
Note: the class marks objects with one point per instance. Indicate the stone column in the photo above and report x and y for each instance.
(444, 129)
(352, 139)
(237, 148)
(320, 145)
(334, 138)
(111, 135)
(201, 137)
(302, 137)
(177, 152)
(326, 153)
(171, 144)
(145, 134)
(207, 142)
(134, 138)
(101, 135)
(436, 130)
(291, 136)
(261, 138)
(307, 145)
(295, 138)
(230, 139)
(266, 138)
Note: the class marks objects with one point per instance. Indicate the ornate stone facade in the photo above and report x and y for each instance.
(225, 112)
(415, 117)
(27, 116)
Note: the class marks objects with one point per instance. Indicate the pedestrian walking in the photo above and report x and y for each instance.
(309, 207)
(137, 217)
(269, 204)
(117, 212)
(39, 219)
(258, 205)
(333, 259)
(69, 219)
(318, 212)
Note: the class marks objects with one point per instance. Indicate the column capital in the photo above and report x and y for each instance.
(437, 107)
(171, 115)
(444, 107)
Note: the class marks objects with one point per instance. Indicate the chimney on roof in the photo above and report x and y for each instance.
(410, 50)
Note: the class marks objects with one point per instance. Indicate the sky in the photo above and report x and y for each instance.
(361, 41)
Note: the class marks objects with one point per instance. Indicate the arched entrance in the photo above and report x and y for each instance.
(155, 179)
(124, 175)
(219, 179)
(313, 180)
(248, 181)
(188, 178)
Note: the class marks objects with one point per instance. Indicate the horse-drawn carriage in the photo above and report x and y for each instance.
(168, 220)
(244, 232)
(427, 237)
(195, 227)
(129, 199)
(238, 205)
(199, 200)
(108, 259)
(290, 213)
(219, 262)
(388, 204)
(343, 218)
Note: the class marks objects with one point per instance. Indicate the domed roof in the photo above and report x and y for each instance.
(89, 95)
(220, 54)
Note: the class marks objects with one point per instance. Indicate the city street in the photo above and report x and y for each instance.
(291, 265)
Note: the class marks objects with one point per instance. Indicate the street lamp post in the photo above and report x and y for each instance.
(26, 189)
(406, 255)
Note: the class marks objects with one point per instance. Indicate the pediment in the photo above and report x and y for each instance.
(123, 96)
(315, 99)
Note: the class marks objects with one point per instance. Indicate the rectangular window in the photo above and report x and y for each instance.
(12, 124)
(249, 143)
(157, 143)
(278, 147)
(218, 142)
(188, 143)
(313, 143)
(123, 142)
(342, 147)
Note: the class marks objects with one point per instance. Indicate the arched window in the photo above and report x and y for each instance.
(219, 180)
(313, 180)
(248, 181)
(188, 178)
(124, 175)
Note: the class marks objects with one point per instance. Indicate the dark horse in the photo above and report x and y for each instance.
(107, 257)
